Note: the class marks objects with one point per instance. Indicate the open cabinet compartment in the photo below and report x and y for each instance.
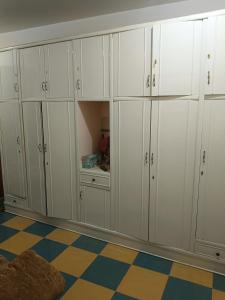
(93, 123)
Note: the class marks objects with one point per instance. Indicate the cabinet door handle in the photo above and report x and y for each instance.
(148, 81)
(46, 86)
(16, 87)
(45, 147)
(204, 157)
(209, 78)
(40, 147)
(43, 86)
(18, 140)
(146, 158)
(152, 158)
(78, 84)
(153, 80)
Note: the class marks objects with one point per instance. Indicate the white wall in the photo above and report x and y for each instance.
(106, 22)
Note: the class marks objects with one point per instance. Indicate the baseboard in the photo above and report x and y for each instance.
(177, 255)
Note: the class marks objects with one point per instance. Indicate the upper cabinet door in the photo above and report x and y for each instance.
(173, 134)
(215, 58)
(8, 75)
(132, 137)
(32, 73)
(211, 206)
(176, 58)
(59, 72)
(12, 153)
(32, 121)
(131, 63)
(92, 67)
(59, 135)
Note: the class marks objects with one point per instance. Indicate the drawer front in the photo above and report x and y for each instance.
(95, 180)
(211, 251)
(15, 202)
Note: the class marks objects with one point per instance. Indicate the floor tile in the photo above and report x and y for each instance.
(69, 281)
(83, 290)
(89, 244)
(106, 272)
(218, 295)
(6, 232)
(49, 249)
(8, 255)
(20, 242)
(143, 284)
(118, 296)
(18, 223)
(74, 261)
(153, 263)
(192, 274)
(63, 236)
(119, 253)
(40, 229)
(178, 289)
(4, 216)
(219, 282)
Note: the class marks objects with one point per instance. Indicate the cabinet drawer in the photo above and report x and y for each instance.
(211, 251)
(95, 180)
(15, 202)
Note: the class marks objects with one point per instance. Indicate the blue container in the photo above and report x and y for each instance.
(89, 161)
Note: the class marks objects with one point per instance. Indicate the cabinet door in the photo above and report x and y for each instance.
(215, 58)
(131, 62)
(92, 64)
(175, 58)
(12, 149)
(32, 73)
(8, 75)
(32, 120)
(211, 207)
(58, 68)
(132, 135)
(95, 206)
(173, 135)
(59, 134)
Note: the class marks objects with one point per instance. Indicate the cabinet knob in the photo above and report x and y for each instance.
(93, 179)
(217, 254)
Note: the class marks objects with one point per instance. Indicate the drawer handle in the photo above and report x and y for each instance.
(217, 254)
(93, 179)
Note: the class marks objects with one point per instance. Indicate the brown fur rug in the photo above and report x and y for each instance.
(29, 277)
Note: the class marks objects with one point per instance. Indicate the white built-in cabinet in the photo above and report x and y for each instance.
(173, 140)
(176, 58)
(132, 62)
(211, 206)
(214, 56)
(92, 67)
(50, 147)
(47, 72)
(8, 75)
(12, 151)
(131, 150)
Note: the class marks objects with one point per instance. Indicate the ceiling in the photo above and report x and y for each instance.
(21, 14)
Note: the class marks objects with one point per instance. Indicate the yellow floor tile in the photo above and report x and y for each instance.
(119, 253)
(19, 223)
(218, 295)
(74, 261)
(20, 242)
(84, 290)
(63, 236)
(143, 284)
(192, 274)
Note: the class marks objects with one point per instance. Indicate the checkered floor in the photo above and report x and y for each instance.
(96, 270)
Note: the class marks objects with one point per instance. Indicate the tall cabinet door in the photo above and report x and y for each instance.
(215, 58)
(32, 120)
(173, 135)
(176, 58)
(12, 150)
(211, 207)
(92, 67)
(58, 69)
(131, 62)
(8, 75)
(59, 134)
(132, 135)
(32, 73)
